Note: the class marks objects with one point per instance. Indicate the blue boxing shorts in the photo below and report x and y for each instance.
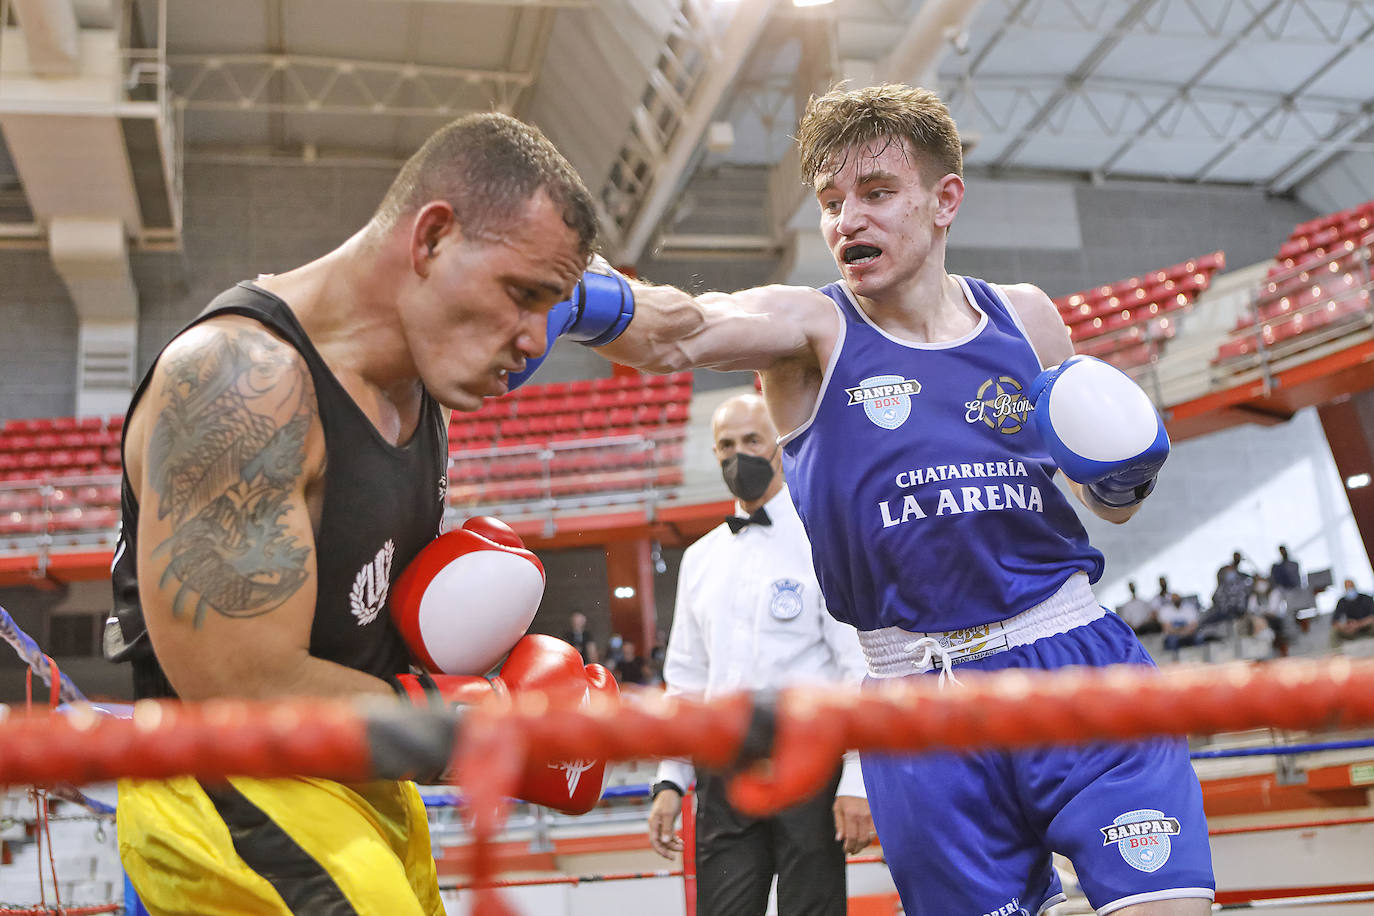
(970, 834)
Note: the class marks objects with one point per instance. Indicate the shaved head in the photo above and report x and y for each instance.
(744, 411)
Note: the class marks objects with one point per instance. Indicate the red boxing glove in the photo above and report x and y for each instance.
(447, 689)
(467, 597)
(550, 665)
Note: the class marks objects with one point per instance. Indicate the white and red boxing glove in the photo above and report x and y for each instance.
(447, 689)
(541, 664)
(552, 666)
(467, 597)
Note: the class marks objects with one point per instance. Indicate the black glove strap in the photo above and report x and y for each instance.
(1137, 495)
(397, 683)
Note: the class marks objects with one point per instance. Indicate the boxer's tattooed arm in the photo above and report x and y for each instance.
(225, 457)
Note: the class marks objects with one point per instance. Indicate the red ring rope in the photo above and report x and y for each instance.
(814, 725)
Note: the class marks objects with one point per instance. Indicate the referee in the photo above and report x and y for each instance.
(750, 616)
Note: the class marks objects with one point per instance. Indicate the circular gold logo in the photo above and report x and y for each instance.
(1005, 406)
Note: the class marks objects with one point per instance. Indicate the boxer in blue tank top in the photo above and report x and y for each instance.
(928, 416)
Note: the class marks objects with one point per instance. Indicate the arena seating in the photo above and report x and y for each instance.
(579, 442)
(1127, 323)
(58, 481)
(59, 447)
(1317, 288)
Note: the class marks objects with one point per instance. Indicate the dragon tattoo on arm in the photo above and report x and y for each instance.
(225, 457)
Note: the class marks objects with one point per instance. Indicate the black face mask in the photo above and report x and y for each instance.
(747, 476)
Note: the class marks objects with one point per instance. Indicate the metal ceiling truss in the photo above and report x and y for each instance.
(1182, 91)
(300, 84)
(1127, 111)
(773, 103)
(1133, 14)
(1327, 21)
(1338, 140)
(1288, 102)
(1317, 128)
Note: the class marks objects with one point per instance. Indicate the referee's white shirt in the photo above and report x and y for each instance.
(750, 616)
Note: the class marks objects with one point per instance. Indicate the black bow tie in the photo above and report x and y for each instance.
(738, 523)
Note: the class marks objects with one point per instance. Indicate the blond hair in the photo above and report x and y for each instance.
(845, 119)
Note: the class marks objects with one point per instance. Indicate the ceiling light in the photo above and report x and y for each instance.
(1356, 481)
(624, 591)
(811, 2)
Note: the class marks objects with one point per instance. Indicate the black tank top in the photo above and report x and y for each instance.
(382, 503)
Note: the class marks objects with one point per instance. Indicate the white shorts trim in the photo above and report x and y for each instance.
(894, 652)
(1176, 893)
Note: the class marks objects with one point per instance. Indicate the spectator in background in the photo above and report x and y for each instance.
(1158, 601)
(580, 639)
(615, 652)
(1285, 574)
(656, 657)
(1178, 620)
(1267, 611)
(1286, 578)
(1231, 600)
(1354, 617)
(631, 669)
(1139, 613)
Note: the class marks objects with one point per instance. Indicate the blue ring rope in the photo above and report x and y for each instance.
(33, 656)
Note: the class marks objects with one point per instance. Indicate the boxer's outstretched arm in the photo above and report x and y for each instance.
(220, 454)
(751, 329)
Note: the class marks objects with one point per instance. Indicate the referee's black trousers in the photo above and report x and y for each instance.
(737, 856)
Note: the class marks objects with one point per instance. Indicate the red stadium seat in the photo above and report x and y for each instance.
(649, 415)
(568, 422)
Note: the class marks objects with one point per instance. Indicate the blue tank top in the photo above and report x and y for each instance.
(925, 489)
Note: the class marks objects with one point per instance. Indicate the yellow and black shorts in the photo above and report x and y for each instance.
(277, 847)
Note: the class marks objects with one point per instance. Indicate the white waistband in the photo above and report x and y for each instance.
(894, 652)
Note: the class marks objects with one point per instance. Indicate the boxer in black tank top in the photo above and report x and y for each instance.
(284, 459)
(382, 503)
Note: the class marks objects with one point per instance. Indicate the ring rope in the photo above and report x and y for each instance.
(812, 727)
(33, 656)
(63, 910)
(327, 738)
(1283, 750)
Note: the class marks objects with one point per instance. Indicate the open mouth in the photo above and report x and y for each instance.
(860, 254)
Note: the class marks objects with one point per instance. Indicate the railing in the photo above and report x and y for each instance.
(47, 514)
(568, 477)
(1294, 317)
(543, 482)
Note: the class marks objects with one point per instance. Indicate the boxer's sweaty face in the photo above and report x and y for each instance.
(484, 309)
(876, 215)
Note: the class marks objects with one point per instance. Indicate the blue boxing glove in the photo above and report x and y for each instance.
(1101, 429)
(598, 312)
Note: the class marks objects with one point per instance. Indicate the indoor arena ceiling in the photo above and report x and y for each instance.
(678, 113)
